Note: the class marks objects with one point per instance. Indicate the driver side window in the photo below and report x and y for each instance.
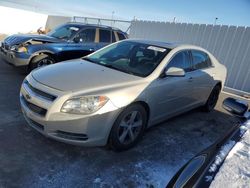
(180, 60)
(86, 35)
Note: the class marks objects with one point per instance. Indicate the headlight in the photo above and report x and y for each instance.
(19, 49)
(84, 105)
(22, 49)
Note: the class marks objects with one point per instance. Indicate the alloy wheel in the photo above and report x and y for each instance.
(130, 127)
(44, 62)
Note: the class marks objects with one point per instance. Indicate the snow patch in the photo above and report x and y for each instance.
(235, 170)
(221, 156)
(209, 178)
(247, 124)
(97, 180)
(243, 129)
(236, 148)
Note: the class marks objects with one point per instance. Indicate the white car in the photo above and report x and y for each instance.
(114, 94)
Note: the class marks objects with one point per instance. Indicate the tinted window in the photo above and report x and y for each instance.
(130, 57)
(200, 60)
(86, 35)
(105, 35)
(180, 60)
(121, 36)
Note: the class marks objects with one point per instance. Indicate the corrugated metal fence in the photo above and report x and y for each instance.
(230, 44)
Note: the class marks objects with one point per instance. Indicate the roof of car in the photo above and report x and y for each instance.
(168, 45)
(156, 43)
(79, 24)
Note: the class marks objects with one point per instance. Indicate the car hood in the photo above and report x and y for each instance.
(18, 39)
(81, 75)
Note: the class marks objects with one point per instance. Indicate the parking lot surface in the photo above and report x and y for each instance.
(28, 159)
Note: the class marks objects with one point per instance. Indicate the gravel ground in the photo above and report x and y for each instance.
(28, 159)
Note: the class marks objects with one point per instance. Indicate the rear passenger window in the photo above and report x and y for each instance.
(200, 60)
(121, 36)
(181, 60)
(105, 35)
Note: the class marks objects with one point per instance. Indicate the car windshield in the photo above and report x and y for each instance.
(130, 57)
(64, 32)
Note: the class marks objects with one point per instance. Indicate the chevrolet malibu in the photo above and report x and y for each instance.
(111, 96)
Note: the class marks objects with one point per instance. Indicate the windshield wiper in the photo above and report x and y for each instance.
(110, 66)
(116, 68)
(90, 60)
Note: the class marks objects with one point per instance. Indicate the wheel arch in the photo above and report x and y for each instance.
(219, 83)
(145, 106)
(49, 53)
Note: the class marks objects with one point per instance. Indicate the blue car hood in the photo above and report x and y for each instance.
(18, 39)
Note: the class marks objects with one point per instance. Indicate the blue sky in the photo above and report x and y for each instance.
(229, 12)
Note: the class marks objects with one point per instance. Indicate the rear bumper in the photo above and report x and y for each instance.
(13, 58)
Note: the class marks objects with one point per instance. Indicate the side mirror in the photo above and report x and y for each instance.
(77, 39)
(175, 72)
(235, 107)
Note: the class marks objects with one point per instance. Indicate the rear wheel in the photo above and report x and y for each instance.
(41, 60)
(212, 99)
(128, 128)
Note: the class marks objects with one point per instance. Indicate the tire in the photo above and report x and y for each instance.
(212, 99)
(128, 128)
(40, 60)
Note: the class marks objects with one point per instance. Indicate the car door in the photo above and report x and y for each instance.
(202, 75)
(172, 95)
(83, 43)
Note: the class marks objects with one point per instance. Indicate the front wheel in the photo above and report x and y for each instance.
(128, 128)
(40, 61)
(212, 99)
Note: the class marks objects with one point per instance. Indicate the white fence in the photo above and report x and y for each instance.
(230, 44)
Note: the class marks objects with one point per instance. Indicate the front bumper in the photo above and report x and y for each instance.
(86, 130)
(13, 58)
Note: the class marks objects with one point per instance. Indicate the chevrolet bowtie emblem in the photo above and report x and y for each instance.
(28, 97)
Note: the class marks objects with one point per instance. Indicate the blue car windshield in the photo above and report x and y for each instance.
(131, 57)
(64, 32)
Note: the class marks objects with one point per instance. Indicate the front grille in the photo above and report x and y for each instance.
(5, 46)
(71, 136)
(35, 124)
(39, 92)
(34, 108)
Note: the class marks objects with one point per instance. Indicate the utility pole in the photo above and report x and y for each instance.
(112, 18)
(174, 19)
(215, 20)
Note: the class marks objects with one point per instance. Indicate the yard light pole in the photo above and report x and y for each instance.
(215, 20)
(112, 18)
(174, 19)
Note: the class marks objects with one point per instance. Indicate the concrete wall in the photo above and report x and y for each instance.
(54, 21)
(229, 44)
